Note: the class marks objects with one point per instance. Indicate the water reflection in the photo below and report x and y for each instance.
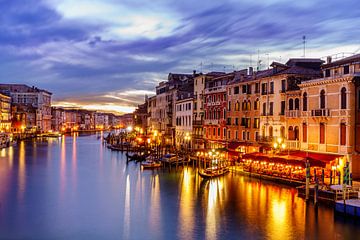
(77, 189)
(21, 172)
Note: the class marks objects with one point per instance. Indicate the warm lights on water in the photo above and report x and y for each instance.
(74, 187)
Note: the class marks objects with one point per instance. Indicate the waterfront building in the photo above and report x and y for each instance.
(163, 120)
(198, 141)
(215, 101)
(330, 113)
(280, 99)
(58, 119)
(5, 113)
(243, 112)
(141, 115)
(184, 118)
(151, 114)
(31, 98)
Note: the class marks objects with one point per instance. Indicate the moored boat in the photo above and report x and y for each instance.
(213, 171)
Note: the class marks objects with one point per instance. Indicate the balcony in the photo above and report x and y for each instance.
(293, 113)
(198, 122)
(292, 144)
(264, 139)
(211, 122)
(324, 112)
(209, 104)
(215, 89)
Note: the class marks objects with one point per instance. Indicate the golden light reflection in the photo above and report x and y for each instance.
(21, 171)
(186, 208)
(155, 205)
(213, 208)
(127, 209)
(74, 160)
(63, 165)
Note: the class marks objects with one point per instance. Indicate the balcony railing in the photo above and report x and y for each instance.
(324, 112)
(213, 104)
(198, 122)
(293, 113)
(292, 144)
(215, 89)
(264, 139)
(211, 121)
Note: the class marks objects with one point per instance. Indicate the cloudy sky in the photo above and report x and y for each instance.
(107, 54)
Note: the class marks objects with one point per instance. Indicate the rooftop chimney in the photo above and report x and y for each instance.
(328, 59)
(251, 71)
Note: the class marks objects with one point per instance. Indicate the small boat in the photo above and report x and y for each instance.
(151, 162)
(211, 172)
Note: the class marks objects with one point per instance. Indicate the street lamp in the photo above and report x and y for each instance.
(187, 140)
(279, 144)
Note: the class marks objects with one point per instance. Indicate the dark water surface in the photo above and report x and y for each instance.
(75, 188)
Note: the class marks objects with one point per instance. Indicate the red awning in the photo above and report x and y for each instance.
(324, 157)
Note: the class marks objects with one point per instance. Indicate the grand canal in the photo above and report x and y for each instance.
(75, 188)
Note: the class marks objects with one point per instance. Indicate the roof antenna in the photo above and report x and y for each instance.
(304, 42)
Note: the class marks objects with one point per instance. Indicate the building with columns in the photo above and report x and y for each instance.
(330, 112)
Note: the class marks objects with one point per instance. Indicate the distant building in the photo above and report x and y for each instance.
(31, 98)
(184, 116)
(5, 113)
(141, 115)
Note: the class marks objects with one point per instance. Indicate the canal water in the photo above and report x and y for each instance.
(75, 188)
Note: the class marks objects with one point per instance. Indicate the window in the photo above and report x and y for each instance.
(270, 131)
(248, 105)
(322, 133)
(297, 104)
(264, 88)
(256, 122)
(343, 98)
(257, 87)
(244, 90)
(283, 85)
(296, 133)
(342, 134)
(237, 106)
(264, 109)
(291, 104)
(282, 132)
(327, 73)
(282, 112)
(322, 99)
(271, 110)
(228, 121)
(236, 90)
(224, 132)
(304, 136)
(229, 106)
(346, 69)
(243, 135)
(272, 88)
(214, 131)
(248, 89)
(236, 135)
(218, 132)
(256, 105)
(305, 101)
(236, 121)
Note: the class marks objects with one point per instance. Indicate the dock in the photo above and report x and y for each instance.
(349, 207)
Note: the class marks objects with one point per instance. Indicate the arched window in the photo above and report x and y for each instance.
(296, 133)
(237, 106)
(297, 104)
(290, 133)
(291, 104)
(304, 137)
(305, 101)
(270, 131)
(343, 98)
(249, 105)
(322, 99)
(282, 132)
(256, 105)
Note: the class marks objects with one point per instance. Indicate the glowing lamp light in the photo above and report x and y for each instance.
(129, 128)
(275, 145)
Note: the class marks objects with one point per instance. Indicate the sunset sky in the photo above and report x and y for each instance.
(107, 54)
